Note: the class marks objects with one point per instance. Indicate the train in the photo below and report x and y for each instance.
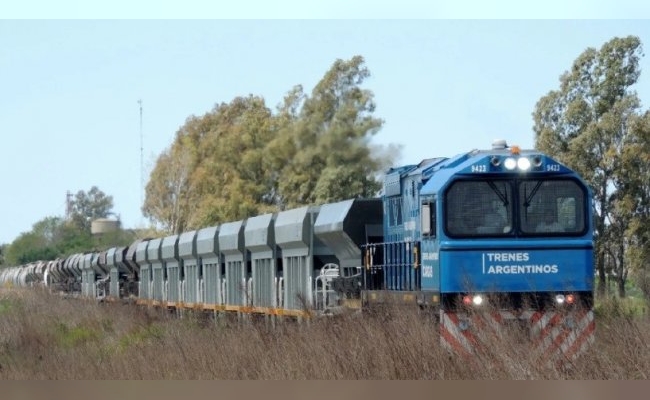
(483, 240)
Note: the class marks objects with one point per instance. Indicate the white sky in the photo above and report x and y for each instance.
(69, 88)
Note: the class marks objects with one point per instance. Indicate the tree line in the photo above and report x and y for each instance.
(54, 237)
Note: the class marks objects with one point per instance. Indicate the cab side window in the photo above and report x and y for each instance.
(428, 215)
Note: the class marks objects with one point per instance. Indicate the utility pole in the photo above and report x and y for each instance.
(68, 205)
(141, 158)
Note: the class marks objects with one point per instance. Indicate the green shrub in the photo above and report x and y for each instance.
(69, 337)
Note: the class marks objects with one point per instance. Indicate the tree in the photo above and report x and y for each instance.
(29, 247)
(324, 148)
(587, 125)
(167, 197)
(241, 159)
(233, 182)
(54, 237)
(37, 244)
(87, 207)
(635, 176)
(3, 251)
(214, 170)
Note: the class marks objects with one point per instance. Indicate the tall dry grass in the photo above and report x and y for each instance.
(46, 336)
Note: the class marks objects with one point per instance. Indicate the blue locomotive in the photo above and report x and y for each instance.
(484, 238)
(487, 237)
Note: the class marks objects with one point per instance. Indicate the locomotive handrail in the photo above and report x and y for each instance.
(328, 273)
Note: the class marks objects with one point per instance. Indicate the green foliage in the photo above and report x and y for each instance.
(59, 239)
(73, 240)
(614, 307)
(241, 159)
(70, 337)
(214, 169)
(167, 198)
(87, 207)
(54, 237)
(327, 156)
(3, 250)
(593, 124)
(234, 182)
(140, 336)
(5, 306)
(29, 247)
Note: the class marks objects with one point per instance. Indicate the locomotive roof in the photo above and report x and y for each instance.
(478, 163)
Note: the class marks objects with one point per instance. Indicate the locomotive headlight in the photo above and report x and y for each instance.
(510, 163)
(523, 163)
(472, 300)
(559, 299)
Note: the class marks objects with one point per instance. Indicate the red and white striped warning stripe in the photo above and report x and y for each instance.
(466, 334)
(553, 334)
(560, 335)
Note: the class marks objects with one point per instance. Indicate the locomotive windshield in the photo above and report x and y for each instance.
(503, 207)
